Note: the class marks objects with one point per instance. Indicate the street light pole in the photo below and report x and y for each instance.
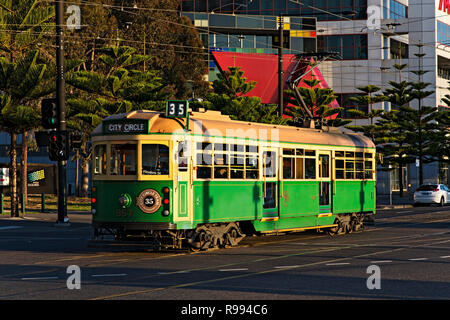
(280, 66)
(61, 103)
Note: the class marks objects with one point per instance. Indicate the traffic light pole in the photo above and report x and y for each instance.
(61, 102)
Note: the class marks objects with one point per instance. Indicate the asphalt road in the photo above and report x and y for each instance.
(405, 255)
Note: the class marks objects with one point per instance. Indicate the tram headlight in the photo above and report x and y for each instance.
(125, 200)
(165, 213)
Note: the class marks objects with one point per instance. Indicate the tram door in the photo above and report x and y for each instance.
(183, 182)
(270, 185)
(325, 182)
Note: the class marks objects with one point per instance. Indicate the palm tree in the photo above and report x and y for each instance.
(24, 26)
(114, 86)
(19, 82)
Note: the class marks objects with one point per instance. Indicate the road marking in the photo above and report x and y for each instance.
(338, 264)
(109, 275)
(10, 227)
(286, 267)
(40, 278)
(237, 269)
(418, 259)
(444, 257)
(381, 261)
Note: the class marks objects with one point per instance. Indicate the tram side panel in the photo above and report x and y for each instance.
(226, 201)
(299, 204)
(354, 196)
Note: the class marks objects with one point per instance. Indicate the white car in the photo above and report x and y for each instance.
(432, 193)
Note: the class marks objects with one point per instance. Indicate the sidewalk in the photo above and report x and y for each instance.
(384, 201)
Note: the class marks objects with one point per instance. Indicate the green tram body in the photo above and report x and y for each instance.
(223, 179)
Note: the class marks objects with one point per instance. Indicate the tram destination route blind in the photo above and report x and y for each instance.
(130, 126)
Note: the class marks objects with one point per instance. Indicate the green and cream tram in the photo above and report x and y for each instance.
(213, 180)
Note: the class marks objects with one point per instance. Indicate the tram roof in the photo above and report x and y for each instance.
(214, 124)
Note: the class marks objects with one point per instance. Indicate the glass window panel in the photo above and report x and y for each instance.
(155, 159)
(204, 172)
(236, 174)
(339, 154)
(310, 168)
(222, 20)
(221, 40)
(289, 151)
(270, 195)
(220, 147)
(237, 160)
(288, 168)
(220, 172)
(339, 174)
(249, 41)
(251, 162)
(270, 163)
(324, 166)
(251, 174)
(251, 148)
(299, 168)
(204, 159)
(124, 159)
(310, 152)
(100, 159)
(339, 164)
(220, 159)
(249, 22)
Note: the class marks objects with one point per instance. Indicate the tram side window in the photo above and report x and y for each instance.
(354, 165)
(226, 161)
(123, 159)
(310, 168)
(100, 159)
(270, 164)
(155, 159)
(296, 162)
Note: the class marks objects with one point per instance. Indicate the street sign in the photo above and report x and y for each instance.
(177, 109)
(4, 177)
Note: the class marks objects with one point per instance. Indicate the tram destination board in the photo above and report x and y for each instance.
(128, 126)
(177, 108)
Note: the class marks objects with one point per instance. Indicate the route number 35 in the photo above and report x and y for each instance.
(176, 109)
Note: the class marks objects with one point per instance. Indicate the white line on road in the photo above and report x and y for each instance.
(286, 267)
(40, 278)
(109, 275)
(338, 264)
(444, 257)
(10, 227)
(238, 269)
(418, 259)
(381, 261)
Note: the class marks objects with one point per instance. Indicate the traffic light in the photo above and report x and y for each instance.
(75, 140)
(49, 112)
(58, 146)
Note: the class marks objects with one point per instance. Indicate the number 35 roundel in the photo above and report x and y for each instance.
(149, 201)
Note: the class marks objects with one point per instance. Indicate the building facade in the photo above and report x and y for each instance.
(370, 37)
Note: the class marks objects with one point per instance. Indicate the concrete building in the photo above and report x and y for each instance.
(370, 36)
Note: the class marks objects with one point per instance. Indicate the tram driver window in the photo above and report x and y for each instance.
(100, 159)
(123, 159)
(155, 159)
